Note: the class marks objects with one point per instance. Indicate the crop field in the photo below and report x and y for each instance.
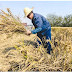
(18, 52)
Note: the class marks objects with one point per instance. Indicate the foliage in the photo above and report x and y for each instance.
(58, 21)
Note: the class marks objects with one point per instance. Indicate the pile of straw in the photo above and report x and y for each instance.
(9, 22)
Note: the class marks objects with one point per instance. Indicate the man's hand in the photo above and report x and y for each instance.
(28, 32)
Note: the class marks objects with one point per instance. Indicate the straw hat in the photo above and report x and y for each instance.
(27, 11)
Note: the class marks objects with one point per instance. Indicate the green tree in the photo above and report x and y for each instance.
(58, 21)
(54, 20)
(67, 21)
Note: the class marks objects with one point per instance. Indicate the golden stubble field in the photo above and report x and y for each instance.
(18, 52)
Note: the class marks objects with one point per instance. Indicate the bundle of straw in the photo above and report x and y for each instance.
(9, 22)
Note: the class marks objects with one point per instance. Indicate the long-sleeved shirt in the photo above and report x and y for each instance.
(36, 30)
(40, 23)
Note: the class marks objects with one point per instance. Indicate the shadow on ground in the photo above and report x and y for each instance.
(29, 42)
(26, 42)
(9, 48)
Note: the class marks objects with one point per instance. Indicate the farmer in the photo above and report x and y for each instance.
(42, 27)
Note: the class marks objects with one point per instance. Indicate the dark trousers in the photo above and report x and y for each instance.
(46, 40)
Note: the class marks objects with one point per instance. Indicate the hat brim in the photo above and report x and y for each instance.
(27, 15)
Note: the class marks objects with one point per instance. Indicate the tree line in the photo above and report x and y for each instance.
(59, 21)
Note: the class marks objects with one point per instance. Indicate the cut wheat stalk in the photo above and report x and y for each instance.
(11, 23)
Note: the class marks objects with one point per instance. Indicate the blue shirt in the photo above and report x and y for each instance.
(41, 24)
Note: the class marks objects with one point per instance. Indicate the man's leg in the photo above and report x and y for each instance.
(48, 47)
(38, 41)
(48, 38)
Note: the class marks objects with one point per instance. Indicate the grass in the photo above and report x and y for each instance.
(18, 52)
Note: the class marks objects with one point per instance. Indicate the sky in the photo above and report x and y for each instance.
(60, 8)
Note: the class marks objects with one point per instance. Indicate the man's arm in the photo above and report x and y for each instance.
(36, 30)
(38, 23)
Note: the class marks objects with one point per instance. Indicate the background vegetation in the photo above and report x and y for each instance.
(59, 21)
